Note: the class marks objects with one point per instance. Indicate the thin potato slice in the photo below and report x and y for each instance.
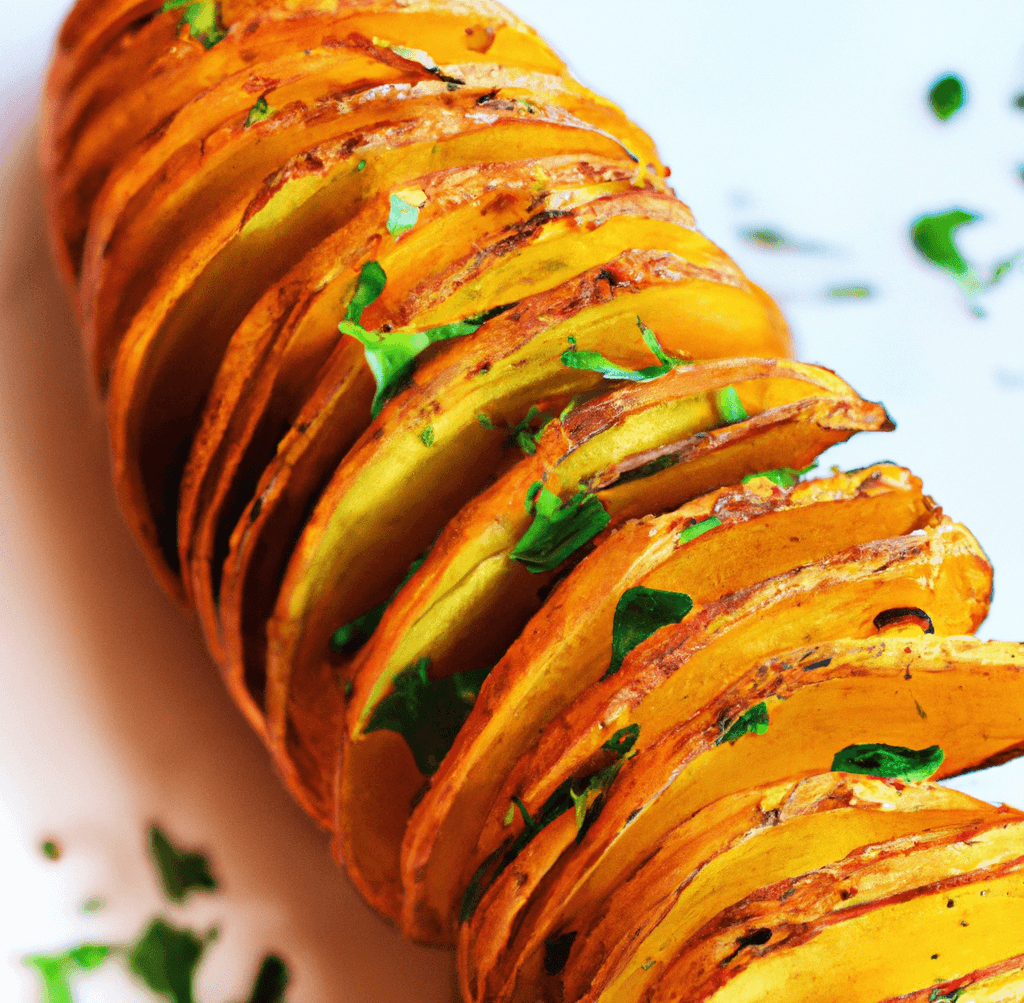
(883, 686)
(676, 671)
(567, 646)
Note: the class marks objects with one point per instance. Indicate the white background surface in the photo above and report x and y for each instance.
(802, 116)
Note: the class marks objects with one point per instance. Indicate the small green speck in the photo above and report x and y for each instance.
(50, 849)
(95, 904)
(271, 981)
(349, 687)
(752, 722)
(648, 964)
(181, 872)
(920, 711)
(947, 96)
(699, 529)
(770, 239)
(257, 113)
(851, 292)
(730, 407)
(203, 19)
(427, 436)
(510, 816)
(361, 166)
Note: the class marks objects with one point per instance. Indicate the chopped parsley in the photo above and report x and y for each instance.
(648, 964)
(94, 904)
(934, 237)
(428, 713)
(730, 407)
(427, 436)
(751, 722)
(271, 981)
(203, 20)
(405, 211)
(558, 529)
(783, 477)
(524, 435)
(892, 761)
(947, 96)
(691, 533)
(58, 970)
(639, 614)
(392, 356)
(596, 363)
(50, 849)
(165, 958)
(259, 112)
(648, 469)
(940, 996)
(361, 166)
(590, 791)
(181, 872)
(851, 292)
(352, 636)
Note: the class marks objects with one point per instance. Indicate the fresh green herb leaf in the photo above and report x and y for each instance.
(691, 533)
(730, 407)
(783, 477)
(889, 761)
(510, 816)
(639, 614)
(271, 981)
(934, 237)
(947, 96)
(57, 970)
(556, 952)
(938, 996)
(596, 363)
(351, 637)
(487, 423)
(361, 166)
(50, 849)
(649, 469)
(203, 20)
(405, 211)
(523, 435)
(427, 436)
(181, 872)
(370, 284)
(752, 722)
(558, 529)
(768, 239)
(94, 904)
(648, 964)
(428, 713)
(622, 742)
(851, 292)
(259, 112)
(166, 957)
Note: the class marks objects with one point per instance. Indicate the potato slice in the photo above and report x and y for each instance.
(663, 801)
(675, 672)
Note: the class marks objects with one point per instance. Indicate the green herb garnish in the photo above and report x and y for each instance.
(938, 996)
(427, 436)
(403, 214)
(181, 872)
(691, 533)
(203, 20)
(257, 113)
(768, 239)
(783, 477)
(361, 166)
(596, 363)
(392, 356)
(523, 435)
(58, 970)
(947, 96)
(428, 713)
(649, 469)
(648, 964)
(752, 722)
(730, 407)
(352, 636)
(271, 981)
(49, 849)
(850, 292)
(892, 761)
(165, 958)
(94, 904)
(639, 614)
(558, 529)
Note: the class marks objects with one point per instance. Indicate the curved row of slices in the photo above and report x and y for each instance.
(482, 469)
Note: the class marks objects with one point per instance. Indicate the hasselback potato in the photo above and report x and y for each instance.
(482, 469)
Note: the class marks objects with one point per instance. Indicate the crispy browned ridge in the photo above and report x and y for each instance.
(214, 201)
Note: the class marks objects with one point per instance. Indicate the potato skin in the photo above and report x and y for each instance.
(218, 204)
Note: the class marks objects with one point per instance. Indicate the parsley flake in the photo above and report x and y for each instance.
(427, 436)
(940, 996)
(648, 964)
(524, 435)
(639, 614)
(58, 970)
(691, 533)
(947, 96)
(752, 722)
(166, 957)
(181, 872)
(596, 363)
(203, 19)
(259, 112)
(851, 292)
(428, 713)
(50, 849)
(892, 761)
(361, 166)
(558, 529)
(730, 407)
(352, 636)
(783, 477)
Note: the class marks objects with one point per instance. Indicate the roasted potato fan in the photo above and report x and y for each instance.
(483, 470)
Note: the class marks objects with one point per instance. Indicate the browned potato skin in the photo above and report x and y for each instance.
(210, 258)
